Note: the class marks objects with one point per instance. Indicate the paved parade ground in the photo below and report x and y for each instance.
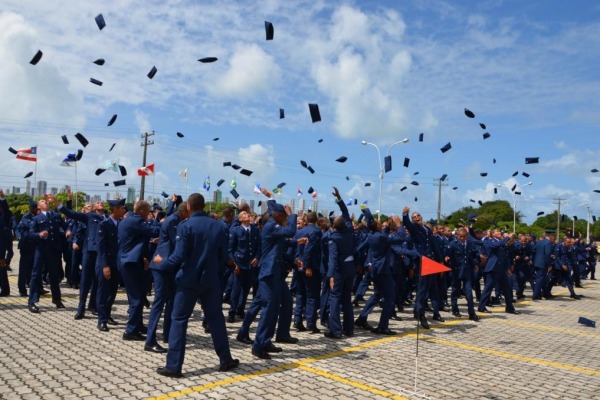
(543, 353)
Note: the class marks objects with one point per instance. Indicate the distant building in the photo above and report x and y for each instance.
(217, 196)
(301, 205)
(107, 196)
(54, 190)
(251, 204)
(315, 206)
(28, 187)
(42, 187)
(130, 194)
(263, 207)
(16, 190)
(292, 205)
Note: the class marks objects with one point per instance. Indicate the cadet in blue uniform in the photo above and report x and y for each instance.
(26, 247)
(310, 273)
(463, 258)
(542, 264)
(134, 235)
(107, 272)
(4, 245)
(340, 273)
(164, 280)
(201, 250)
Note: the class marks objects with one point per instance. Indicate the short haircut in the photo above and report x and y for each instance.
(196, 202)
(141, 205)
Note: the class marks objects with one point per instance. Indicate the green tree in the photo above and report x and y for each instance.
(18, 204)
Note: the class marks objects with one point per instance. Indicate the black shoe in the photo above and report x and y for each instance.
(23, 294)
(424, 322)
(579, 286)
(395, 317)
(264, 355)
(355, 303)
(512, 312)
(44, 291)
(485, 311)
(146, 302)
(445, 309)
(157, 348)
(457, 314)
(241, 315)
(58, 304)
(576, 297)
(348, 333)
(112, 321)
(363, 323)
(438, 318)
(428, 309)
(314, 329)
(325, 324)
(138, 337)
(536, 298)
(169, 373)
(143, 330)
(94, 312)
(79, 315)
(33, 308)
(549, 296)
(271, 348)
(380, 331)
(231, 318)
(289, 340)
(299, 326)
(474, 317)
(332, 335)
(244, 339)
(102, 327)
(229, 365)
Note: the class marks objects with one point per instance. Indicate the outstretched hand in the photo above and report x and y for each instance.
(336, 193)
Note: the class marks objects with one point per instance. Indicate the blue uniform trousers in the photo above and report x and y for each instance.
(384, 289)
(51, 260)
(241, 288)
(133, 276)
(313, 289)
(286, 310)
(467, 286)
(269, 295)
(366, 280)
(340, 300)
(88, 282)
(75, 273)
(25, 267)
(106, 293)
(324, 300)
(491, 280)
(164, 290)
(541, 282)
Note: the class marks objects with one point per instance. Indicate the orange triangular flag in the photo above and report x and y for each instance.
(429, 267)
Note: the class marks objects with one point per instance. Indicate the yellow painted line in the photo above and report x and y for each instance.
(514, 356)
(545, 328)
(567, 311)
(362, 386)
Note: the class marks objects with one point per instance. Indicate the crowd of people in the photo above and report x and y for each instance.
(185, 256)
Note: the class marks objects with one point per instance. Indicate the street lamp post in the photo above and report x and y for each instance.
(514, 197)
(589, 215)
(381, 170)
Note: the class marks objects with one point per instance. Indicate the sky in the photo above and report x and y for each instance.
(380, 71)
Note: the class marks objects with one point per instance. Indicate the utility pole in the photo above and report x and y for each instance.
(439, 183)
(145, 145)
(558, 201)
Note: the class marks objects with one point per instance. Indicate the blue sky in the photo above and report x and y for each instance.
(380, 71)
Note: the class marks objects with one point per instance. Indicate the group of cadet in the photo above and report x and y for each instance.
(188, 256)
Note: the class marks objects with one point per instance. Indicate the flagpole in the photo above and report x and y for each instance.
(35, 172)
(153, 182)
(76, 190)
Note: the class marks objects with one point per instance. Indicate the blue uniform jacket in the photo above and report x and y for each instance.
(244, 246)
(273, 244)
(134, 234)
(52, 223)
(91, 219)
(543, 254)
(27, 241)
(167, 239)
(108, 244)
(495, 254)
(463, 257)
(341, 246)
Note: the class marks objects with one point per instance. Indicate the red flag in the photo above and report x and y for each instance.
(147, 170)
(430, 267)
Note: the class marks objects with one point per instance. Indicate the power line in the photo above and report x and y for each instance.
(145, 145)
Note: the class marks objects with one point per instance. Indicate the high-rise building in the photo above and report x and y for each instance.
(292, 205)
(263, 207)
(251, 204)
(301, 205)
(54, 190)
(42, 186)
(28, 187)
(131, 194)
(217, 196)
(315, 206)
(107, 196)
(16, 190)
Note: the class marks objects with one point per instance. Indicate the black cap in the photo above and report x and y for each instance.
(594, 170)
(525, 174)
(282, 184)
(512, 189)
(99, 171)
(482, 126)
(347, 178)
(246, 172)
(367, 184)
(99, 61)
(79, 154)
(116, 203)
(469, 113)
(483, 173)
(179, 134)
(215, 139)
(495, 190)
(415, 183)
(311, 190)
(119, 183)
(312, 171)
(259, 203)
(455, 187)
(12, 150)
(235, 166)
(221, 181)
(112, 120)
(112, 147)
(152, 72)
(515, 173)
(587, 322)
(269, 30)
(472, 201)
(342, 159)
(596, 191)
(486, 135)
(96, 81)
(416, 198)
(416, 173)
(36, 59)
(281, 113)
(234, 193)
(532, 160)
(107, 184)
(447, 147)
(406, 162)
(315, 115)
(227, 163)
(494, 160)
(65, 139)
(421, 135)
(480, 202)
(208, 60)
(387, 162)
(100, 21)
(443, 178)
(594, 218)
(164, 194)
(123, 170)
(320, 140)
(27, 175)
(517, 193)
(542, 213)
(355, 201)
(403, 188)
(303, 163)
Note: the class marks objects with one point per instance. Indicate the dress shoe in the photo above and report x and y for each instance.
(4, 294)
(138, 337)
(244, 339)
(395, 317)
(513, 312)
(146, 302)
(424, 322)
(575, 296)
(299, 326)
(579, 286)
(262, 354)
(485, 311)
(229, 365)
(325, 323)
(549, 296)
(314, 329)
(169, 373)
(79, 315)
(143, 330)
(94, 312)
(271, 348)
(385, 331)
(44, 291)
(102, 327)
(288, 340)
(332, 335)
(438, 318)
(474, 317)
(363, 323)
(349, 333)
(457, 314)
(241, 315)
(111, 321)
(58, 303)
(157, 348)
(355, 303)
(33, 308)
(428, 309)
(231, 318)
(23, 294)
